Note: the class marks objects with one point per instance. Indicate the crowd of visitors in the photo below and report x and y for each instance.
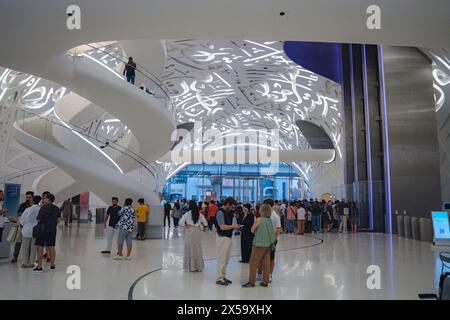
(259, 226)
(34, 236)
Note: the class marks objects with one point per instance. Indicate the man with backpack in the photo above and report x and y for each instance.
(225, 227)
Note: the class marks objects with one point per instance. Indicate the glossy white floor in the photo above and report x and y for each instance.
(305, 268)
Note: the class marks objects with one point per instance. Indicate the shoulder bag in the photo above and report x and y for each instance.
(12, 235)
(38, 231)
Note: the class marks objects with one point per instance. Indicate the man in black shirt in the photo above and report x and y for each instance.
(224, 227)
(130, 70)
(113, 215)
(28, 197)
(167, 208)
(48, 219)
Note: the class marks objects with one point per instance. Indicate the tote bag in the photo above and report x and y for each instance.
(12, 235)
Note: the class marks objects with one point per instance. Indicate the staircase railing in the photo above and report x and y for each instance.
(97, 140)
(157, 88)
(22, 173)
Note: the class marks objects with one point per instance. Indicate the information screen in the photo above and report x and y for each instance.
(12, 198)
(440, 224)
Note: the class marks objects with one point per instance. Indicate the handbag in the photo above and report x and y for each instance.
(38, 231)
(12, 235)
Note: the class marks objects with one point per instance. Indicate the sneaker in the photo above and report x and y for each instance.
(106, 252)
(52, 268)
(127, 258)
(227, 281)
(38, 270)
(117, 257)
(259, 277)
(270, 279)
(222, 283)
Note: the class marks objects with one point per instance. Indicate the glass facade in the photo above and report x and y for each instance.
(244, 182)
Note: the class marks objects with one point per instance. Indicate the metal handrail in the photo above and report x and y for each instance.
(25, 172)
(149, 167)
(123, 59)
(148, 74)
(107, 142)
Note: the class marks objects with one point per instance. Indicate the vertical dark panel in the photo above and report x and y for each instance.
(374, 141)
(364, 144)
(411, 124)
(349, 176)
(360, 191)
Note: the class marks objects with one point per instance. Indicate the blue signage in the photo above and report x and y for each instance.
(441, 226)
(12, 198)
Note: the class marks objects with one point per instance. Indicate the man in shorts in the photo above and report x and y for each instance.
(48, 219)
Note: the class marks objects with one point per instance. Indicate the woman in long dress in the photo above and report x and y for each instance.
(193, 223)
(246, 234)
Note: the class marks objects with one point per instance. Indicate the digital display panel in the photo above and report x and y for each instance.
(441, 226)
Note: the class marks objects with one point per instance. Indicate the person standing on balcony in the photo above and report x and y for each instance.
(130, 70)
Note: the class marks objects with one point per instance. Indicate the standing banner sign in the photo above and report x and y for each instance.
(84, 206)
(441, 227)
(12, 198)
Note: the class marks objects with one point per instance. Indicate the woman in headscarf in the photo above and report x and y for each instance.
(194, 223)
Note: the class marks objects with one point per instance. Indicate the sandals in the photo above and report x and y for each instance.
(248, 285)
(265, 285)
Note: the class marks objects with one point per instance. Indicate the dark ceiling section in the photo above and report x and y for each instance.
(321, 58)
(315, 135)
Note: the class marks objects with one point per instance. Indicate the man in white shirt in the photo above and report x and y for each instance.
(301, 214)
(277, 225)
(2, 214)
(28, 220)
